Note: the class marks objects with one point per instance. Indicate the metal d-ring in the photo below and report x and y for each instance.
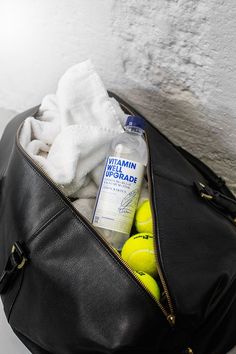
(22, 263)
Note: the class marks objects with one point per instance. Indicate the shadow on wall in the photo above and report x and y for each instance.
(187, 123)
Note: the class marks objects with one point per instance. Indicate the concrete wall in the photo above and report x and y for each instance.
(174, 59)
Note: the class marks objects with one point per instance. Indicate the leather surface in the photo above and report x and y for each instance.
(74, 296)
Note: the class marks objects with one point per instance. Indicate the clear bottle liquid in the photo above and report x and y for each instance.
(121, 183)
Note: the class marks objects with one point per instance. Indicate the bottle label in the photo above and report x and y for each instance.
(118, 195)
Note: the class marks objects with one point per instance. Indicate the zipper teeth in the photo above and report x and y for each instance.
(171, 316)
(155, 246)
(90, 224)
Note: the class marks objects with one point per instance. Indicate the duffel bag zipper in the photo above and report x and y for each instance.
(169, 314)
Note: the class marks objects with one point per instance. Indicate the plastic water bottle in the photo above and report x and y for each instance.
(121, 183)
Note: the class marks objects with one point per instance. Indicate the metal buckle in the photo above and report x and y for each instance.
(17, 250)
(15, 262)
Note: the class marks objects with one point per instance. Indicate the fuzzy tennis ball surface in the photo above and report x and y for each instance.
(143, 218)
(150, 284)
(138, 252)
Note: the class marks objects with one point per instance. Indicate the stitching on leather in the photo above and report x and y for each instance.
(16, 296)
(44, 226)
(44, 180)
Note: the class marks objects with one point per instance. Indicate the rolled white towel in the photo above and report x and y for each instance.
(97, 173)
(87, 191)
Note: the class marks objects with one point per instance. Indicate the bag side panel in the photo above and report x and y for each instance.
(25, 209)
(197, 244)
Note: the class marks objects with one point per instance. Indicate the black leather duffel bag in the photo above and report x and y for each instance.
(65, 291)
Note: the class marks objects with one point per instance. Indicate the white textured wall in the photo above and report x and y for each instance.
(174, 59)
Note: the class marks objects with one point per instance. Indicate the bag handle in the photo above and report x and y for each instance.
(215, 181)
(219, 200)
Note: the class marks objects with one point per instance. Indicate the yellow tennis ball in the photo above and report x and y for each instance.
(149, 283)
(138, 252)
(143, 218)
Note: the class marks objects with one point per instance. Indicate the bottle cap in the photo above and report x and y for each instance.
(135, 121)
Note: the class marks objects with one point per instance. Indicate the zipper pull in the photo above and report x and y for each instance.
(171, 319)
(204, 191)
(220, 200)
(188, 351)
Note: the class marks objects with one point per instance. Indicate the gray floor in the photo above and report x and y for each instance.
(9, 343)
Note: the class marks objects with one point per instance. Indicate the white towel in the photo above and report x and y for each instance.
(71, 136)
